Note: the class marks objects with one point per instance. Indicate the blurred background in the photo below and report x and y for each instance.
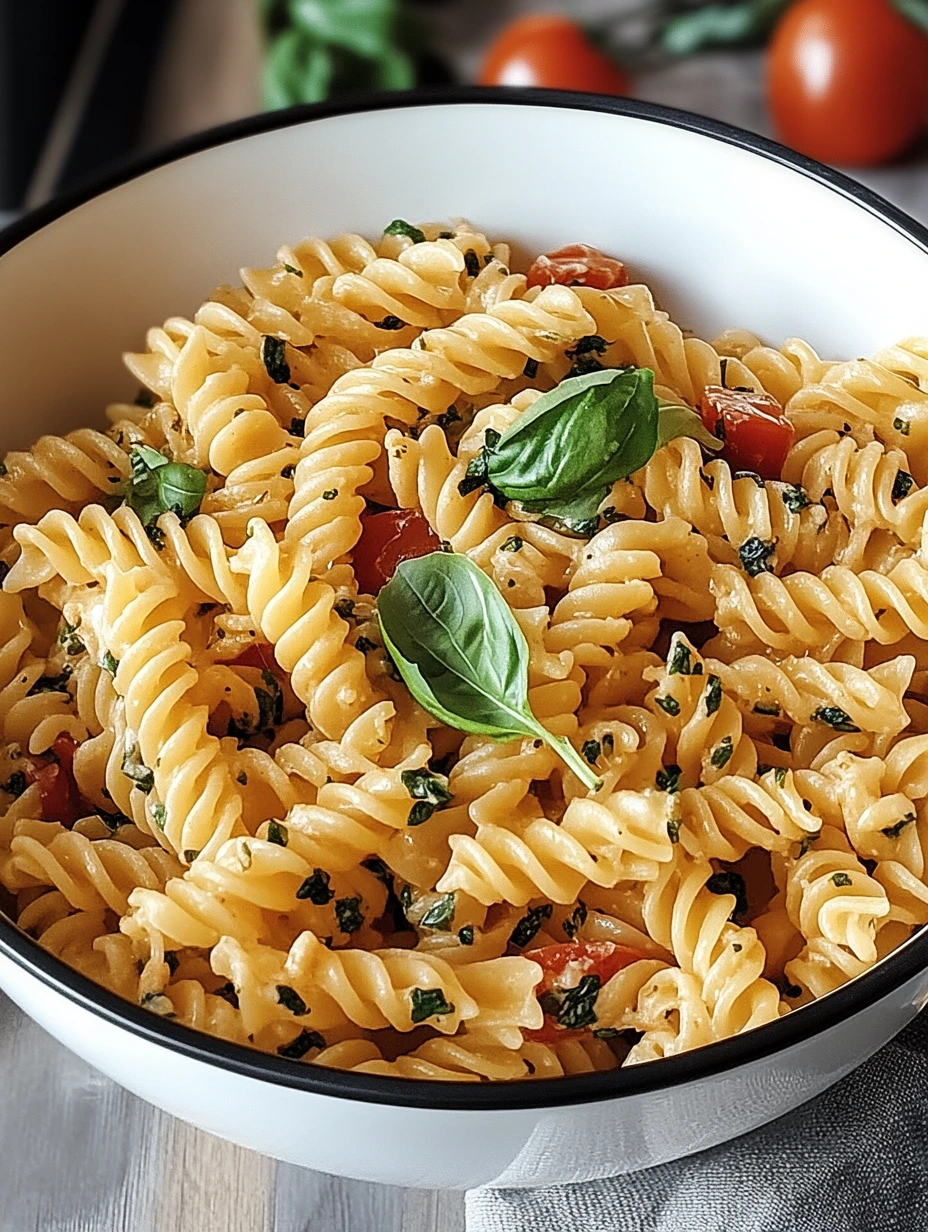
(86, 83)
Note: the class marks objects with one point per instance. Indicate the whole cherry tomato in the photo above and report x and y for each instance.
(565, 967)
(847, 80)
(387, 539)
(756, 433)
(577, 265)
(552, 52)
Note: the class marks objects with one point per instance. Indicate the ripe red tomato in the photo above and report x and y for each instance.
(577, 265)
(61, 800)
(387, 539)
(847, 80)
(260, 655)
(756, 433)
(565, 966)
(552, 52)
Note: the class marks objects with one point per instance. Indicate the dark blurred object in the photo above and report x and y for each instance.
(318, 48)
(74, 76)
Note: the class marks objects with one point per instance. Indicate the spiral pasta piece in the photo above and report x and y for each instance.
(60, 472)
(830, 895)
(532, 856)
(344, 433)
(724, 820)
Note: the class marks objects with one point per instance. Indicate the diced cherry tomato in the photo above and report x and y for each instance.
(61, 800)
(552, 52)
(577, 265)
(756, 433)
(259, 654)
(564, 966)
(387, 539)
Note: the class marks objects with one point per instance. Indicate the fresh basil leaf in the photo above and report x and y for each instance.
(461, 653)
(566, 451)
(675, 420)
(399, 226)
(158, 486)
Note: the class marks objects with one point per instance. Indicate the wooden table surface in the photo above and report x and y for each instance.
(77, 1154)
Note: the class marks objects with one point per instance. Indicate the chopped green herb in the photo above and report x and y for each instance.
(680, 663)
(531, 369)
(292, 269)
(299, 1047)
(190, 855)
(345, 608)
(440, 915)
(513, 544)
(528, 926)
(841, 880)
(67, 637)
(365, 645)
(795, 498)
(349, 915)
(16, 784)
(902, 485)
(159, 815)
(400, 227)
(429, 1003)
(115, 821)
(466, 934)
(591, 344)
(173, 962)
(577, 1005)
(721, 754)
(145, 398)
(429, 792)
(290, 999)
(447, 418)
(52, 684)
(297, 426)
(592, 751)
(134, 768)
(110, 663)
(668, 778)
(779, 776)
(471, 263)
(277, 833)
(228, 993)
(575, 921)
(390, 322)
(903, 426)
(330, 494)
(274, 357)
(755, 556)
(316, 888)
(713, 694)
(158, 1003)
(669, 705)
(730, 883)
(673, 829)
(834, 717)
(895, 830)
(605, 1033)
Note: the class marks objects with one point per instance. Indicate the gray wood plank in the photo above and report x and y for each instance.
(315, 1202)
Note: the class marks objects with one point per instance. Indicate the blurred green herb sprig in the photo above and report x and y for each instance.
(319, 48)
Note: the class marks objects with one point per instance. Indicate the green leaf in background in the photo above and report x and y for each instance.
(364, 27)
(721, 25)
(915, 10)
(462, 654)
(561, 457)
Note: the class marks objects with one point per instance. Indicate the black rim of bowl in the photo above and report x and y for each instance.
(880, 981)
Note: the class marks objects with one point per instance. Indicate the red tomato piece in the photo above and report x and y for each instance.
(577, 265)
(61, 800)
(387, 539)
(553, 53)
(756, 433)
(564, 966)
(847, 80)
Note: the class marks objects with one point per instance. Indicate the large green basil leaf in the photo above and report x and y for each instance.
(461, 653)
(564, 454)
(158, 485)
(676, 420)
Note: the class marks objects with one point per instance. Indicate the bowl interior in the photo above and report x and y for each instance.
(725, 236)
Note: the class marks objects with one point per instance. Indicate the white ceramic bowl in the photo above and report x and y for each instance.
(730, 230)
